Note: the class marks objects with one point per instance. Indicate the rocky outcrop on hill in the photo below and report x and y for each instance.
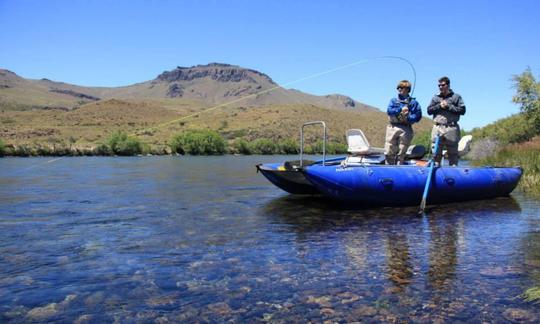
(175, 90)
(9, 79)
(8, 73)
(344, 100)
(215, 71)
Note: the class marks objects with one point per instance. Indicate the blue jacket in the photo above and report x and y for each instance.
(396, 105)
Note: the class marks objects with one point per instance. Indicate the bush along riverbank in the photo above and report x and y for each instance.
(2, 147)
(191, 142)
(525, 155)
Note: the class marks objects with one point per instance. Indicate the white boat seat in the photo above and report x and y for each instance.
(464, 146)
(358, 144)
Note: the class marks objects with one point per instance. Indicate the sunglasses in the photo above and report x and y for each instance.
(399, 88)
(442, 85)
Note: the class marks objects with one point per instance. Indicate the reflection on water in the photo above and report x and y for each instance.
(400, 267)
(442, 253)
(207, 239)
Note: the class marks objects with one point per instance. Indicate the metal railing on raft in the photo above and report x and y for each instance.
(302, 141)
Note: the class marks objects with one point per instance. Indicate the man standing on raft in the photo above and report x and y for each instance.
(403, 111)
(446, 108)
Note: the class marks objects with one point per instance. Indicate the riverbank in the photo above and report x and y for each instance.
(525, 155)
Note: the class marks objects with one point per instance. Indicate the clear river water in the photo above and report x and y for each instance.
(207, 239)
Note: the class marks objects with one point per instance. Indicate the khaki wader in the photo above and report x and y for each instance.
(449, 138)
(398, 139)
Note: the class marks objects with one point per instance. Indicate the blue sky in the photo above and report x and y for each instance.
(480, 45)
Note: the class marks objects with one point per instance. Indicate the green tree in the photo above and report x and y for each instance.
(122, 144)
(528, 97)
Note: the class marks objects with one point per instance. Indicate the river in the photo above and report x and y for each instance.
(207, 239)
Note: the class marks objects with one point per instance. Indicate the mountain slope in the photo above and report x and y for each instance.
(211, 84)
(238, 103)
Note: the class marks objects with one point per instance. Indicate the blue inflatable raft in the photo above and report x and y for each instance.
(363, 178)
(386, 185)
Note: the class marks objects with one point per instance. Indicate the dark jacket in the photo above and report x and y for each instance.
(396, 105)
(450, 115)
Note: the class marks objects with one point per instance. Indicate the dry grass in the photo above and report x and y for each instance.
(156, 121)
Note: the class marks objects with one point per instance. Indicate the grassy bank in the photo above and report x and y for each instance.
(191, 142)
(525, 155)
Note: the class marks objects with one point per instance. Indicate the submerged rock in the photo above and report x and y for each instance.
(220, 308)
(365, 311)
(518, 315)
(83, 319)
(16, 312)
(43, 313)
(500, 272)
(323, 301)
(49, 311)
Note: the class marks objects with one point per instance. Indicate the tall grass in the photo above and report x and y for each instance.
(524, 156)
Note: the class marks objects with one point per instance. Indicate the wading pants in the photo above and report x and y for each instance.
(449, 139)
(398, 139)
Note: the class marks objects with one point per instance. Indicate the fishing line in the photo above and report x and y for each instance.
(39, 164)
(309, 77)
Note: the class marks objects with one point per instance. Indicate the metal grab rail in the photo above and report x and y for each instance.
(302, 141)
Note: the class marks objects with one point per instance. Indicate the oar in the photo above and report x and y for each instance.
(431, 163)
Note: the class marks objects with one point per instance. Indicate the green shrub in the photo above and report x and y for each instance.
(514, 129)
(44, 150)
(422, 138)
(264, 146)
(122, 144)
(336, 148)
(198, 142)
(331, 148)
(241, 146)
(288, 146)
(103, 149)
(23, 150)
(2, 148)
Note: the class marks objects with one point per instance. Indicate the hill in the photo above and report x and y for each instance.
(238, 103)
(210, 84)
